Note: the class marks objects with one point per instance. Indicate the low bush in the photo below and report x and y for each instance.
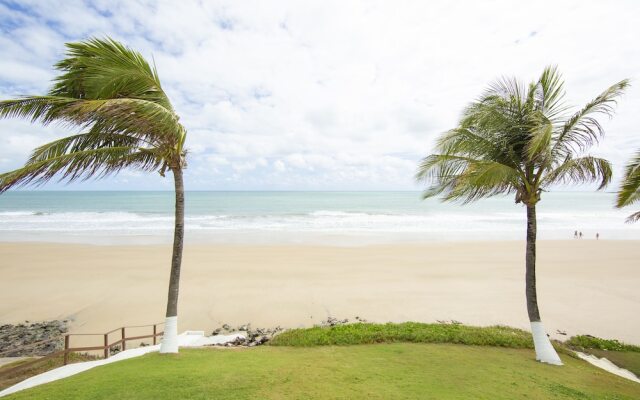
(586, 342)
(407, 332)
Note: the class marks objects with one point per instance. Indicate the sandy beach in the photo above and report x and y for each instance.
(584, 286)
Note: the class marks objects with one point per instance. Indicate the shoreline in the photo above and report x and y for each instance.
(275, 239)
(584, 286)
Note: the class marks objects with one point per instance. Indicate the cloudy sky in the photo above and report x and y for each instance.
(326, 95)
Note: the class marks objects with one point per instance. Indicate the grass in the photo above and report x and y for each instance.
(407, 332)
(37, 368)
(378, 371)
(356, 361)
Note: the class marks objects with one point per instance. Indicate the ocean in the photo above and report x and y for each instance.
(119, 217)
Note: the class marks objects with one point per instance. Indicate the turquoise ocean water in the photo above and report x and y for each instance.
(307, 217)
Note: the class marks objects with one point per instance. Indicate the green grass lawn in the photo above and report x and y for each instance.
(376, 371)
(358, 361)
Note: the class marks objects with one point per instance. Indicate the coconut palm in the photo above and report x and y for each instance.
(114, 97)
(521, 139)
(629, 192)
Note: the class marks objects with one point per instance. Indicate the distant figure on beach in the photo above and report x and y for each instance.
(580, 235)
(597, 236)
(575, 235)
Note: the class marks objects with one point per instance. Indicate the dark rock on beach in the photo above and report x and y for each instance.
(32, 339)
(254, 336)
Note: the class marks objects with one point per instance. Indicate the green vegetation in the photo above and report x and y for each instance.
(629, 192)
(407, 332)
(382, 371)
(520, 140)
(11, 379)
(586, 342)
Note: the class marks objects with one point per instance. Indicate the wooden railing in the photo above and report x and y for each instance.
(105, 347)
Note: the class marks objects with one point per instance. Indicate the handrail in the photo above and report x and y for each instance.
(68, 349)
(115, 330)
(107, 345)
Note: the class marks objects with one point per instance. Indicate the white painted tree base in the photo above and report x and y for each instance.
(544, 350)
(169, 342)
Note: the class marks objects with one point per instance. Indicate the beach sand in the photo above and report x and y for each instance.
(584, 286)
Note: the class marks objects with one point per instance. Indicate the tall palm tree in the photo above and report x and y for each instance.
(521, 139)
(629, 192)
(114, 97)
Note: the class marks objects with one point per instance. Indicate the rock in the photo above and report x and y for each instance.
(14, 339)
(254, 337)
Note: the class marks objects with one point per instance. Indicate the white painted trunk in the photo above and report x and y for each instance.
(544, 350)
(170, 336)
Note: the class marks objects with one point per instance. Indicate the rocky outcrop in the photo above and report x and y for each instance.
(32, 339)
(253, 336)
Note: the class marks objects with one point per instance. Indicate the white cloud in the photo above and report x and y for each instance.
(326, 94)
(279, 166)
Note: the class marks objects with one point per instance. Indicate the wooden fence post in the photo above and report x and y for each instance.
(106, 345)
(124, 342)
(66, 349)
(154, 334)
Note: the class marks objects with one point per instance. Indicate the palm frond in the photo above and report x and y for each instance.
(633, 218)
(80, 165)
(465, 178)
(582, 130)
(105, 68)
(551, 98)
(508, 89)
(133, 117)
(585, 169)
(629, 192)
(477, 143)
(44, 109)
(541, 132)
(80, 142)
(483, 179)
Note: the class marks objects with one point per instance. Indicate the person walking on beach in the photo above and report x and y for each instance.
(580, 235)
(597, 236)
(575, 235)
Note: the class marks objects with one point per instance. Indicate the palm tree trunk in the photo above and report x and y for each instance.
(544, 350)
(170, 337)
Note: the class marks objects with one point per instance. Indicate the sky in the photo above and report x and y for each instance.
(323, 95)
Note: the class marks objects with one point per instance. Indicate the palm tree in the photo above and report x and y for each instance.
(521, 139)
(114, 97)
(629, 192)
